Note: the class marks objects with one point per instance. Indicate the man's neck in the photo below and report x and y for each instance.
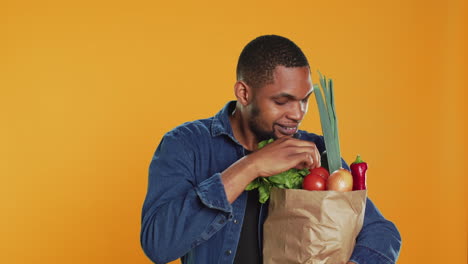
(241, 131)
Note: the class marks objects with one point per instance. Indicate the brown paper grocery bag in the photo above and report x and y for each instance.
(312, 227)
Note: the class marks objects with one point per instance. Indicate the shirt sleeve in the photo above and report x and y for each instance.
(379, 241)
(179, 214)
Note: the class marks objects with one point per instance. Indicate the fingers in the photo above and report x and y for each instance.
(317, 158)
(308, 155)
(295, 142)
(284, 154)
(305, 152)
(305, 165)
(305, 160)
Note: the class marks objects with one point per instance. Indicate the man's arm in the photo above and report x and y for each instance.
(379, 241)
(179, 213)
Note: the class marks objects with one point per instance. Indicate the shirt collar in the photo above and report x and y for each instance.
(221, 124)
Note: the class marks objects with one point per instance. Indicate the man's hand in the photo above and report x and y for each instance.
(284, 154)
(276, 157)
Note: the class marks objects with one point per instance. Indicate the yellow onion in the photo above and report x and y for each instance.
(340, 180)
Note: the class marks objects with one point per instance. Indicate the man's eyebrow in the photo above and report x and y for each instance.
(290, 96)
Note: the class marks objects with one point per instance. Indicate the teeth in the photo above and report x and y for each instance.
(289, 128)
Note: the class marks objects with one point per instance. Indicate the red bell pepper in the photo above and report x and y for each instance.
(358, 170)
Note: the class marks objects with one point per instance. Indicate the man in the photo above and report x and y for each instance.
(196, 208)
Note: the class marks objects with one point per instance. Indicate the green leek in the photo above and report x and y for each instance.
(329, 122)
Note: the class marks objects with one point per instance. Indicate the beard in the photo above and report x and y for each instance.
(260, 133)
(254, 121)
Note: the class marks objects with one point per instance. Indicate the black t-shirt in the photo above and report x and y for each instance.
(248, 251)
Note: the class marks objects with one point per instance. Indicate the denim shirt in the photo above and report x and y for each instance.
(186, 213)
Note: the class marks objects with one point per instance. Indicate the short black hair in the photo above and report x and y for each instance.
(260, 57)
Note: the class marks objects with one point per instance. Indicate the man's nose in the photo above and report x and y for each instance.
(297, 111)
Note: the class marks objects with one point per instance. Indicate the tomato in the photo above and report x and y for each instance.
(313, 182)
(320, 171)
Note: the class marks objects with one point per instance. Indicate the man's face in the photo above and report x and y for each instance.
(278, 108)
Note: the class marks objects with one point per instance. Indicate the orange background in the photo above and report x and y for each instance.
(88, 88)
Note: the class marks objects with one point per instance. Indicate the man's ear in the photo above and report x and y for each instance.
(243, 93)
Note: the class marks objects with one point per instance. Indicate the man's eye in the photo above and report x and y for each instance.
(281, 102)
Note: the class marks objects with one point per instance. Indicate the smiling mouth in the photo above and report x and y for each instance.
(287, 130)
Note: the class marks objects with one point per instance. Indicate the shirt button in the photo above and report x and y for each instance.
(235, 221)
(228, 252)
